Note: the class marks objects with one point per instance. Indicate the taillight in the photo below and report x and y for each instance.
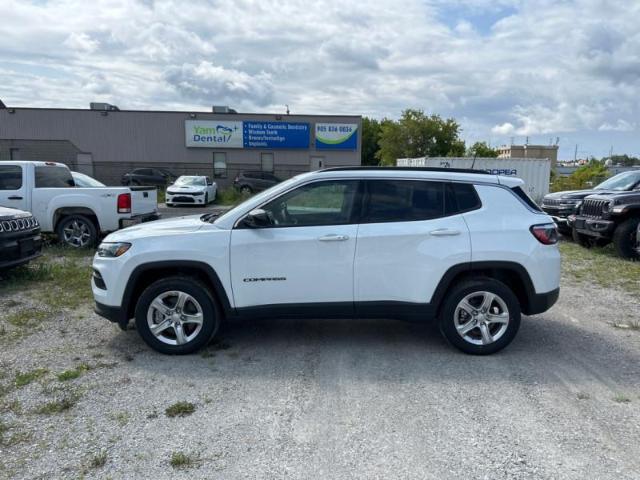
(124, 203)
(546, 234)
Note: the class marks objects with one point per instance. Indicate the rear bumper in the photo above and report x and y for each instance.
(541, 302)
(135, 220)
(113, 314)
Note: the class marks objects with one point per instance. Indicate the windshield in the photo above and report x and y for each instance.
(258, 198)
(85, 181)
(191, 181)
(622, 181)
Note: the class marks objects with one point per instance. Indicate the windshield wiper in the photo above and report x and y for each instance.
(210, 217)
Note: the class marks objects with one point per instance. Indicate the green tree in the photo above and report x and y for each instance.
(418, 135)
(371, 129)
(481, 149)
(586, 176)
(625, 160)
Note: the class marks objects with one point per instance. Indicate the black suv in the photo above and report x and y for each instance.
(255, 181)
(149, 176)
(560, 205)
(20, 240)
(611, 216)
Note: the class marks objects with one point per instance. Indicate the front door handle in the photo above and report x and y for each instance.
(15, 197)
(444, 232)
(334, 238)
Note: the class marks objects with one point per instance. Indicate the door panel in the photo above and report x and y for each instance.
(404, 262)
(292, 265)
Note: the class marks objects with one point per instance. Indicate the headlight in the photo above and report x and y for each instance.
(112, 250)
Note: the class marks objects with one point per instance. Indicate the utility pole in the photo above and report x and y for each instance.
(611, 152)
(575, 154)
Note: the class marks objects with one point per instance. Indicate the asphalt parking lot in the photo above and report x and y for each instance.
(80, 398)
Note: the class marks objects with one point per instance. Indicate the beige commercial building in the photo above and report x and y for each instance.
(529, 151)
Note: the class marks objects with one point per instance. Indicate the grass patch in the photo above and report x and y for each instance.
(601, 266)
(27, 318)
(230, 196)
(59, 405)
(18, 436)
(183, 460)
(180, 409)
(26, 378)
(73, 373)
(621, 398)
(99, 460)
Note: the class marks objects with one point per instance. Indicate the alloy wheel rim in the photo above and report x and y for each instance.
(481, 318)
(175, 317)
(77, 234)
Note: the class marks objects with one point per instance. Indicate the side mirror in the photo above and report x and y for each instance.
(257, 218)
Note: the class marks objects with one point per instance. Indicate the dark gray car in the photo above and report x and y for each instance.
(255, 181)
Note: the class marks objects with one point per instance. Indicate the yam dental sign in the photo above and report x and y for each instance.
(265, 134)
(249, 134)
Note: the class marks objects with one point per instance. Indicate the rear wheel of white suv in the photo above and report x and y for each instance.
(177, 315)
(480, 316)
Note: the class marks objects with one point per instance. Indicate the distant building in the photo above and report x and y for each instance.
(106, 142)
(529, 151)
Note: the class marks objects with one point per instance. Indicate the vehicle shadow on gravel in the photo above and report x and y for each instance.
(391, 351)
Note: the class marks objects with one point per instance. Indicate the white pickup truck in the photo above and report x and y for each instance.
(77, 215)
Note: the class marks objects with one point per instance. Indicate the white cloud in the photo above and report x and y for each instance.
(504, 129)
(620, 126)
(542, 68)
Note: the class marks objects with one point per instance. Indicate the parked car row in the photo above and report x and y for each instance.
(608, 213)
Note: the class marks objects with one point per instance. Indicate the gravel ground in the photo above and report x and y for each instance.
(331, 399)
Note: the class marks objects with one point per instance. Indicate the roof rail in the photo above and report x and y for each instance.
(419, 169)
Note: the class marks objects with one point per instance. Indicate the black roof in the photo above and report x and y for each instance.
(420, 169)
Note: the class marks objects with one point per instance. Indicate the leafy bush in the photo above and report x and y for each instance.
(586, 176)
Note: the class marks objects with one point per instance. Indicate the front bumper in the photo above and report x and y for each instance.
(594, 227)
(135, 220)
(113, 314)
(19, 248)
(184, 199)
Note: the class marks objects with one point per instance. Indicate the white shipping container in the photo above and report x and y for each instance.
(536, 172)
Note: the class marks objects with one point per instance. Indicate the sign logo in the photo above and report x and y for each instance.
(213, 134)
(337, 136)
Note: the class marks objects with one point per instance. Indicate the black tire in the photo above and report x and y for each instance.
(246, 190)
(170, 205)
(581, 239)
(458, 293)
(211, 316)
(206, 199)
(83, 225)
(624, 239)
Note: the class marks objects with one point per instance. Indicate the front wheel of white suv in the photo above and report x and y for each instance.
(177, 315)
(480, 316)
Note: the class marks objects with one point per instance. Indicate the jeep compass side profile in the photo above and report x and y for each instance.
(466, 248)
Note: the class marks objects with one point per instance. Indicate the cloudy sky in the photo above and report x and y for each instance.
(502, 68)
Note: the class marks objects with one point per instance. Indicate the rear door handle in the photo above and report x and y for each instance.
(14, 197)
(444, 232)
(333, 238)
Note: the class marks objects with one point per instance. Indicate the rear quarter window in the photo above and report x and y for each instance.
(460, 198)
(522, 195)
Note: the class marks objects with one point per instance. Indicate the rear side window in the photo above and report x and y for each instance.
(526, 198)
(461, 197)
(10, 177)
(53, 177)
(403, 201)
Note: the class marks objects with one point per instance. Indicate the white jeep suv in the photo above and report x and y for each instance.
(464, 247)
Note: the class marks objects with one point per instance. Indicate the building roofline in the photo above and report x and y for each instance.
(184, 112)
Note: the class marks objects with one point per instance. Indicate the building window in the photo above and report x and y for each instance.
(266, 159)
(220, 164)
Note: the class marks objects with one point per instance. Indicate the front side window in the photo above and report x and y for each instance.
(220, 164)
(10, 177)
(53, 177)
(402, 201)
(320, 203)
